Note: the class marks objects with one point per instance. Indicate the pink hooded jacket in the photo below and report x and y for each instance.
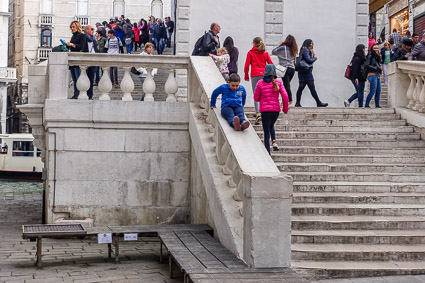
(269, 98)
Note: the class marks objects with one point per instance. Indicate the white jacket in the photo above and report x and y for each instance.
(143, 71)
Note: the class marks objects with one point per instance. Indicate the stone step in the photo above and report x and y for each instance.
(406, 151)
(349, 197)
(331, 110)
(357, 252)
(357, 136)
(359, 167)
(336, 116)
(350, 237)
(358, 177)
(339, 269)
(355, 222)
(358, 187)
(351, 143)
(351, 129)
(336, 122)
(375, 209)
(321, 158)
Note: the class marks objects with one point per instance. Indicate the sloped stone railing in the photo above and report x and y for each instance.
(59, 63)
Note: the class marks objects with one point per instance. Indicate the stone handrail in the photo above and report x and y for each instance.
(61, 62)
(8, 74)
(252, 172)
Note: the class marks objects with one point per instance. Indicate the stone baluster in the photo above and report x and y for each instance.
(229, 165)
(238, 194)
(236, 177)
(127, 85)
(203, 103)
(149, 86)
(171, 87)
(83, 83)
(223, 154)
(410, 91)
(422, 96)
(417, 93)
(105, 85)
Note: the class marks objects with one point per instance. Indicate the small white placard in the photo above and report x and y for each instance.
(130, 237)
(105, 238)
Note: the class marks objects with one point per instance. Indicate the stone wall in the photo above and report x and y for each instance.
(118, 162)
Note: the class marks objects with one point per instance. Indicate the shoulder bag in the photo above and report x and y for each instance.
(281, 70)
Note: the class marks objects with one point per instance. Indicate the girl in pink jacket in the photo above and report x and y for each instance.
(267, 94)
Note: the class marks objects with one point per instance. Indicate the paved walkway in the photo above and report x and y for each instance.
(86, 261)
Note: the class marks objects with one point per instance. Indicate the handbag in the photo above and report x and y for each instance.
(281, 70)
(349, 71)
(128, 41)
(60, 48)
(301, 65)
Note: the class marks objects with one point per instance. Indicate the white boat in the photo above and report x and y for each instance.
(19, 158)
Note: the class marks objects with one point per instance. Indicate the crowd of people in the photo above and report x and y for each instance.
(117, 36)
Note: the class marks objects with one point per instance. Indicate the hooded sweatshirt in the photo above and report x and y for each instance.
(258, 61)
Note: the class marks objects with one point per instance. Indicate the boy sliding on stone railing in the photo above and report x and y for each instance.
(233, 97)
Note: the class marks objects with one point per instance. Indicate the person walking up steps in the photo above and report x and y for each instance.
(305, 76)
(267, 94)
(374, 71)
(357, 78)
(257, 58)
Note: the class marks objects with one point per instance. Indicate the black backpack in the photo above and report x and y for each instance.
(199, 49)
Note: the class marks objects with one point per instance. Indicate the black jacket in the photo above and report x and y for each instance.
(373, 63)
(86, 45)
(356, 63)
(209, 45)
(79, 39)
(400, 54)
(170, 27)
(233, 64)
(159, 31)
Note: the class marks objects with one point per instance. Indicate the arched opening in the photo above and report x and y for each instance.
(157, 9)
(119, 8)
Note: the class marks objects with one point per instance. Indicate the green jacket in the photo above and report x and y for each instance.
(101, 45)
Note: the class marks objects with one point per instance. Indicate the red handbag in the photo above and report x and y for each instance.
(348, 72)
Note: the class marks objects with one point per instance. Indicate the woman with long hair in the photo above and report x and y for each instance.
(76, 44)
(374, 71)
(359, 82)
(305, 77)
(287, 52)
(267, 93)
(145, 32)
(234, 55)
(257, 58)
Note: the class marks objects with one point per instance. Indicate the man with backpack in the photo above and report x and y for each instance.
(209, 42)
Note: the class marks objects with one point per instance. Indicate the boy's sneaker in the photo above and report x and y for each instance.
(346, 103)
(245, 124)
(275, 146)
(258, 119)
(236, 123)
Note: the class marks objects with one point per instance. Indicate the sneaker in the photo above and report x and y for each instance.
(245, 124)
(236, 123)
(258, 119)
(346, 103)
(275, 146)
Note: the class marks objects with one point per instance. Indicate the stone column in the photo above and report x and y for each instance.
(182, 45)
(273, 23)
(267, 215)
(3, 97)
(362, 22)
(398, 84)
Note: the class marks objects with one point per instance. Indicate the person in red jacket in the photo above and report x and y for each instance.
(267, 94)
(257, 57)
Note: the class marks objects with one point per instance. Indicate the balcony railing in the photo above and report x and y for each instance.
(83, 20)
(43, 53)
(7, 74)
(45, 20)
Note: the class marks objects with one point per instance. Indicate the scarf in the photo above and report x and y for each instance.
(267, 79)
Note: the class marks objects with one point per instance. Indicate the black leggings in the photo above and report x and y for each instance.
(313, 91)
(290, 72)
(269, 119)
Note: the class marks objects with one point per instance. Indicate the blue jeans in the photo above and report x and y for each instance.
(159, 44)
(359, 94)
(229, 113)
(129, 47)
(75, 74)
(91, 73)
(375, 89)
(97, 72)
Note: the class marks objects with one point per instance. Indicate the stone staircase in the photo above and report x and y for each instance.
(116, 93)
(359, 191)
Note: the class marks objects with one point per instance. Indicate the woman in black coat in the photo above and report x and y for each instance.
(234, 55)
(357, 78)
(76, 44)
(374, 71)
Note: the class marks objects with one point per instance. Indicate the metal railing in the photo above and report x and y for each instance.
(46, 20)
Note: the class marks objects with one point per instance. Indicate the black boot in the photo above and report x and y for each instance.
(321, 104)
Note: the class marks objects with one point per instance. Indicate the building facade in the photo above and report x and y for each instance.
(37, 26)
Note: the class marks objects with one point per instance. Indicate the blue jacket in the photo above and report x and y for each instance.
(120, 33)
(307, 57)
(229, 98)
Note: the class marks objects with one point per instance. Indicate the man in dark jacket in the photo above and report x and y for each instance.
(160, 36)
(90, 47)
(418, 52)
(211, 40)
(170, 29)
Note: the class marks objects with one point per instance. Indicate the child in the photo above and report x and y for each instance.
(113, 45)
(143, 72)
(232, 102)
(222, 60)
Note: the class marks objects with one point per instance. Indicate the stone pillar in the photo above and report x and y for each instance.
(362, 22)
(273, 23)
(267, 215)
(3, 97)
(58, 75)
(182, 45)
(398, 84)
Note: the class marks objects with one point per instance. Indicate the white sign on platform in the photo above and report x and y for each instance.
(105, 238)
(130, 237)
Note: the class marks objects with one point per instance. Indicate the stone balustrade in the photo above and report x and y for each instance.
(7, 74)
(105, 61)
